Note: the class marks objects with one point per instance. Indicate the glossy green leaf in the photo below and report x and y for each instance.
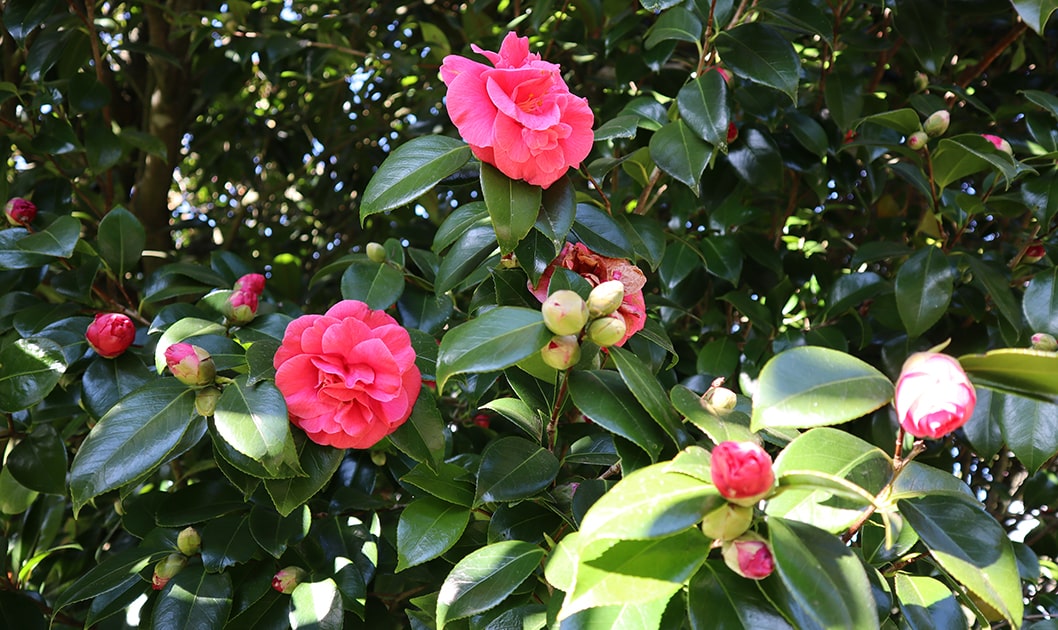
(139, 433)
(678, 151)
(38, 462)
(254, 421)
(601, 232)
(967, 154)
(733, 426)
(995, 283)
(906, 121)
(646, 389)
(757, 159)
(484, 578)
(559, 208)
(809, 133)
(634, 571)
(677, 24)
(427, 528)
(457, 223)
(718, 599)
(823, 575)
(831, 452)
(813, 386)
(422, 436)
(1029, 427)
(14, 497)
(1035, 13)
(927, 603)
(971, 546)
(602, 396)
(21, 18)
(623, 126)
(924, 286)
(703, 105)
(14, 257)
(1040, 302)
(529, 420)
(194, 599)
(1041, 195)
(102, 147)
(651, 502)
(450, 482)
(318, 462)
(58, 239)
(513, 206)
(528, 521)
(513, 469)
(275, 533)
(470, 250)
(1020, 371)
(921, 23)
(638, 616)
(377, 285)
(410, 170)
(114, 569)
(762, 55)
(316, 606)
(723, 257)
(496, 340)
(31, 369)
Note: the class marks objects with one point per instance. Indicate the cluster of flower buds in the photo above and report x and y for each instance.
(20, 211)
(110, 334)
(570, 317)
(936, 124)
(287, 579)
(742, 473)
(189, 543)
(241, 306)
(190, 364)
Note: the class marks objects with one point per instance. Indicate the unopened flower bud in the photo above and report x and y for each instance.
(606, 298)
(937, 123)
(732, 132)
(1034, 253)
(166, 569)
(20, 211)
(728, 522)
(917, 140)
(188, 541)
(286, 580)
(565, 312)
(742, 472)
(110, 334)
(190, 364)
(375, 252)
(1045, 342)
(562, 352)
(606, 331)
(749, 556)
(719, 400)
(933, 395)
(999, 143)
(921, 81)
(252, 282)
(206, 401)
(241, 307)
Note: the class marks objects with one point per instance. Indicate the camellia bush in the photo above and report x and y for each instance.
(702, 314)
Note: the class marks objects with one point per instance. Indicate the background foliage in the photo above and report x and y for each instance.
(173, 146)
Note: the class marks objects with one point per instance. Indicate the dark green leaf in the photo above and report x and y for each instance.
(121, 238)
(58, 239)
(921, 23)
(484, 578)
(226, 541)
(377, 285)
(513, 469)
(274, 533)
(703, 104)
(451, 483)
(513, 206)
(194, 599)
(1020, 371)
(717, 599)
(1040, 303)
(600, 232)
(427, 528)
(31, 369)
(496, 340)
(471, 249)
(422, 437)
(967, 154)
(254, 421)
(319, 463)
(927, 603)
(924, 287)
(677, 24)
(1035, 13)
(723, 257)
(316, 606)
(38, 462)
(760, 54)
(602, 396)
(646, 389)
(413, 168)
(678, 151)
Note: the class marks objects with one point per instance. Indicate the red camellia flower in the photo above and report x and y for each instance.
(20, 211)
(519, 115)
(933, 395)
(742, 472)
(110, 334)
(597, 269)
(749, 556)
(348, 376)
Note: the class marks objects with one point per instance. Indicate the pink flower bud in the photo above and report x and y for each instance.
(728, 522)
(749, 556)
(742, 472)
(241, 307)
(188, 541)
(286, 580)
(20, 211)
(606, 331)
(732, 132)
(937, 123)
(252, 282)
(725, 73)
(999, 143)
(562, 352)
(190, 364)
(110, 334)
(565, 312)
(166, 569)
(933, 395)
(1045, 342)
(1034, 253)
(917, 141)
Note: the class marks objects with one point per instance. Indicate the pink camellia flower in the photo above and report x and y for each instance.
(190, 364)
(20, 211)
(999, 143)
(252, 282)
(348, 376)
(519, 115)
(749, 556)
(597, 269)
(933, 395)
(241, 306)
(742, 472)
(110, 334)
